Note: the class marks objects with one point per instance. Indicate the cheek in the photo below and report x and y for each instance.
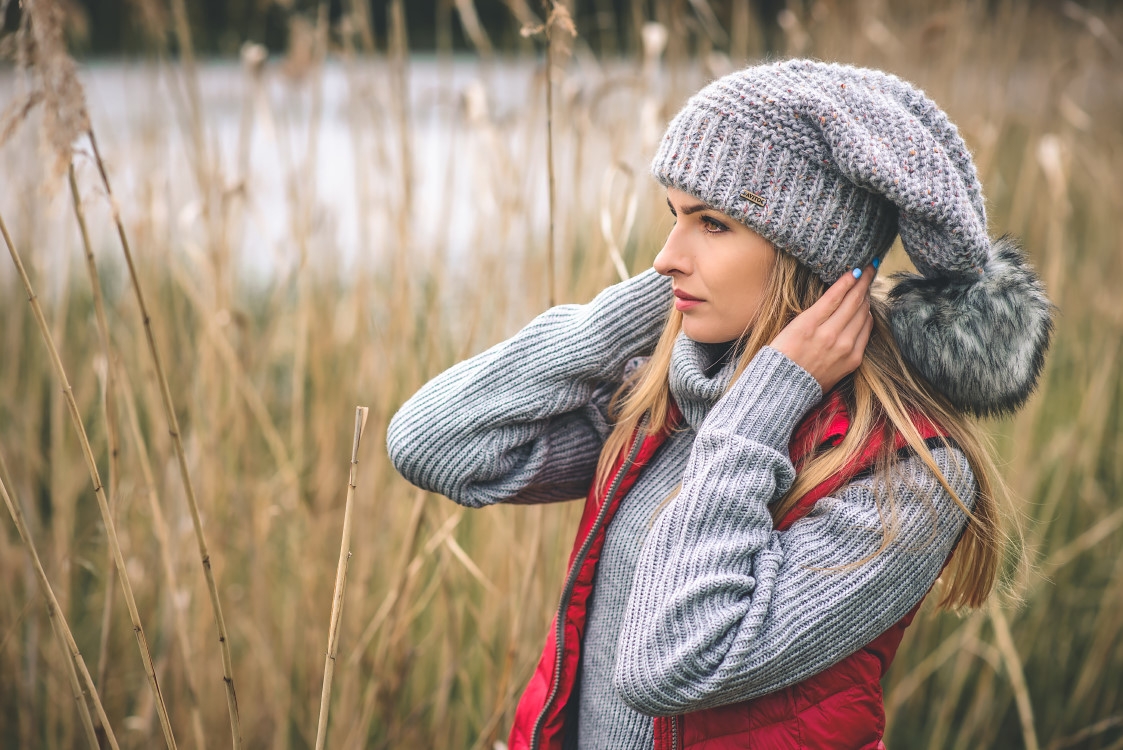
(745, 290)
(745, 284)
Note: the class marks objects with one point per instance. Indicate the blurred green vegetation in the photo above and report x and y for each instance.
(219, 27)
(116, 27)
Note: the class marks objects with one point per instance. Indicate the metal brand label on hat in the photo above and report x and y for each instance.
(752, 197)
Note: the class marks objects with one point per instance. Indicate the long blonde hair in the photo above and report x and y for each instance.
(882, 394)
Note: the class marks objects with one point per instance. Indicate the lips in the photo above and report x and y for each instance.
(684, 301)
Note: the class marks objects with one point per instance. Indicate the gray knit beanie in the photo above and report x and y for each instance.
(829, 163)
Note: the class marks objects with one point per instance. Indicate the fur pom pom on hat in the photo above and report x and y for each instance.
(829, 163)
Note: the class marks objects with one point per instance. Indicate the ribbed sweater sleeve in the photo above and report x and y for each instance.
(525, 420)
(723, 608)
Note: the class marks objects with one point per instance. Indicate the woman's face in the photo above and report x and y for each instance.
(719, 268)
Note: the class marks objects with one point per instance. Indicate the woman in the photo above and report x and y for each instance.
(776, 486)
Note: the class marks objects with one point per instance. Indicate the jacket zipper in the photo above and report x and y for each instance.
(674, 733)
(571, 580)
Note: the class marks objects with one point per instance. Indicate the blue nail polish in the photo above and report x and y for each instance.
(876, 263)
(857, 273)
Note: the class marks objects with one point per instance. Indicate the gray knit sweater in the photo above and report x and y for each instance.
(703, 603)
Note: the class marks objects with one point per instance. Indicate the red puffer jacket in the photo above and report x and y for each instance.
(840, 707)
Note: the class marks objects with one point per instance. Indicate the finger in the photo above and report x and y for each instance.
(862, 287)
(847, 331)
(853, 326)
(856, 300)
(826, 305)
(864, 337)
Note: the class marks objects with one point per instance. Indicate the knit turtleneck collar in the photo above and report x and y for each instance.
(699, 375)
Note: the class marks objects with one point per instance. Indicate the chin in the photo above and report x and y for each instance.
(706, 335)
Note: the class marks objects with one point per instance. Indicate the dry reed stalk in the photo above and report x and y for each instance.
(507, 686)
(907, 685)
(181, 455)
(253, 58)
(1089, 539)
(360, 729)
(470, 20)
(303, 216)
(109, 407)
(26, 689)
(184, 87)
(76, 691)
(65, 506)
(1016, 674)
(551, 8)
(406, 572)
(71, 655)
(283, 726)
(340, 581)
(200, 158)
(522, 11)
(1105, 635)
(387, 661)
(242, 382)
(303, 204)
(1081, 738)
(110, 416)
(628, 220)
(470, 565)
(1091, 420)
(960, 670)
(739, 24)
(163, 543)
(979, 715)
(965, 640)
(99, 490)
(440, 698)
(159, 524)
(358, 13)
(399, 72)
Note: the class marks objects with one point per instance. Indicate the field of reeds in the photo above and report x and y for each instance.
(331, 228)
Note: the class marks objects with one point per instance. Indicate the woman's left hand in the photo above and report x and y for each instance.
(829, 338)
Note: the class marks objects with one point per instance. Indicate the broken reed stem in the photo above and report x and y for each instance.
(99, 490)
(58, 623)
(181, 456)
(340, 582)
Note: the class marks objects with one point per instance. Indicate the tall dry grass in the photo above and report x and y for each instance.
(446, 608)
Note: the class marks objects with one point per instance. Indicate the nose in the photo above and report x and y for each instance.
(673, 258)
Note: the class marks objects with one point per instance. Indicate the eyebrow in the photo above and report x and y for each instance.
(687, 210)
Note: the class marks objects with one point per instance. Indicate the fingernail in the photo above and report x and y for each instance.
(876, 263)
(857, 273)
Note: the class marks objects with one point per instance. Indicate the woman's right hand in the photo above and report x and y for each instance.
(829, 338)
